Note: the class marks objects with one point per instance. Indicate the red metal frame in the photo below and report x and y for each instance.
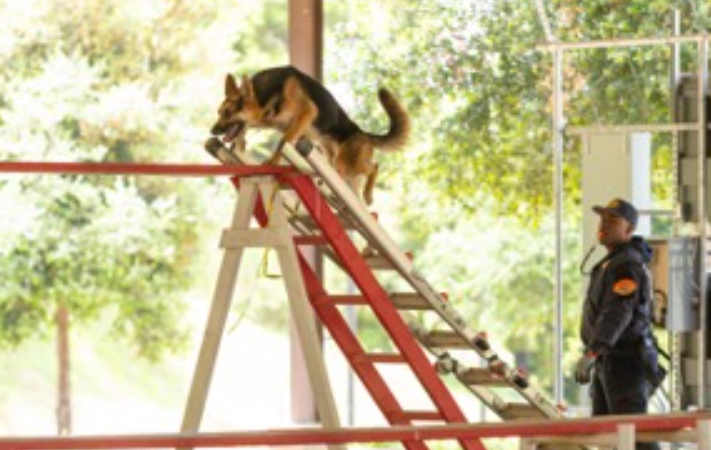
(195, 170)
(532, 429)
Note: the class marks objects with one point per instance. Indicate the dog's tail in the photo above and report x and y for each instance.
(399, 131)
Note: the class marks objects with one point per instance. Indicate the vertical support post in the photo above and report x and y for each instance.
(703, 433)
(222, 298)
(674, 75)
(301, 312)
(558, 144)
(626, 436)
(527, 444)
(306, 36)
(305, 53)
(702, 178)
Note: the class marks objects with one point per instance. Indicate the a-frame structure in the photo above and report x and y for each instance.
(311, 205)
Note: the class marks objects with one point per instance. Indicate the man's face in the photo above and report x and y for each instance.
(613, 230)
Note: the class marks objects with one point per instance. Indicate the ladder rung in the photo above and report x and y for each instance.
(410, 301)
(380, 358)
(446, 339)
(348, 299)
(310, 223)
(377, 262)
(519, 411)
(481, 376)
(422, 415)
(316, 239)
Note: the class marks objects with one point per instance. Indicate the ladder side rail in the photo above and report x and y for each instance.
(352, 203)
(374, 232)
(487, 396)
(337, 326)
(508, 374)
(351, 348)
(379, 301)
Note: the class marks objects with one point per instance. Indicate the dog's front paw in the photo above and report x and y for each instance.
(213, 146)
(239, 144)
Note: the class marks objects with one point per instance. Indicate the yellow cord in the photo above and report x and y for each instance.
(265, 257)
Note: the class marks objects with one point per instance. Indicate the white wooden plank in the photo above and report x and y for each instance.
(303, 316)
(703, 430)
(232, 239)
(626, 436)
(222, 299)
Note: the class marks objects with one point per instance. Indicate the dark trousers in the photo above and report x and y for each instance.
(619, 386)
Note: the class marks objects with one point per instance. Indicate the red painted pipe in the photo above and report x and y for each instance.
(540, 428)
(165, 169)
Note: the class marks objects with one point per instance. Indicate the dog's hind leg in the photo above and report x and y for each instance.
(370, 185)
(304, 114)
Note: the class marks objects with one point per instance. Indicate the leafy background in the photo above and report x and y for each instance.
(133, 259)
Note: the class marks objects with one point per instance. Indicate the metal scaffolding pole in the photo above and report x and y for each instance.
(625, 42)
(558, 145)
(558, 125)
(632, 128)
(702, 61)
(701, 126)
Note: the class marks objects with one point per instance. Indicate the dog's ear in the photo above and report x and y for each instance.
(231, 88)
(247, 87)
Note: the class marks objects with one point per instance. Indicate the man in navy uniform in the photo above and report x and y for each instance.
(620, 354)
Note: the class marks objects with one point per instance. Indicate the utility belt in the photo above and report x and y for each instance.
(643, 347)
(635, 347)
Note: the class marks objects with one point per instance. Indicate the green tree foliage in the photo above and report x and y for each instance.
(475, 183)
(103, 81)
(92, 85)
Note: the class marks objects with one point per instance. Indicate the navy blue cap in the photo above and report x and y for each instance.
(621, 208)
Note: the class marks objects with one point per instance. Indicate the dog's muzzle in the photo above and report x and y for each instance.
(230, 132)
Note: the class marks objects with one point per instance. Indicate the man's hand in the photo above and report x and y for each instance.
(584, 367)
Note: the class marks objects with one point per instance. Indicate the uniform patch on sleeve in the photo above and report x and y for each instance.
(624, 287)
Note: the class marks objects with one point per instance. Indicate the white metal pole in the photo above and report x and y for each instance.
(674, 76)
(703, 431)
(624, 42)
(632, 128)
(558, 142)
(543, 18)
(626, 436)
(702, 178)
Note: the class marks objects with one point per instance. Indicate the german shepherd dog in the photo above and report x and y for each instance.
(290, 101)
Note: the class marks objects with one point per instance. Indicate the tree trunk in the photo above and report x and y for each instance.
(64, 406)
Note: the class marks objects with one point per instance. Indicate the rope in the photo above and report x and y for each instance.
(264, 266)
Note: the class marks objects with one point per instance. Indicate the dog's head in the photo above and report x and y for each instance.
(239, 109)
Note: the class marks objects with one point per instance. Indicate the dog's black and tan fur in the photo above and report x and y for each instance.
(286, 99)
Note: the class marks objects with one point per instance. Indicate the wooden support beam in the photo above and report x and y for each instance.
(306, 54)
(306, 36)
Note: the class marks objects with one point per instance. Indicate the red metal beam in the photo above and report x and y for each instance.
(277, 437)
(183, 170)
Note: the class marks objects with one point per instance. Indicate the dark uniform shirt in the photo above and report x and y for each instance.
(617, 310)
